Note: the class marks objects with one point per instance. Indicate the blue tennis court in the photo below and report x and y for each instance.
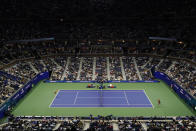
(101, 98)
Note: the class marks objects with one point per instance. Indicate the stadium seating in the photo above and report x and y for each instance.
(94, 40)
(101, 68)
(115, 69)
(184, 75)
(25, 71)
(87, 69)
(7, 88)
(99, 123)
(100, 126)
(129, 68)
(73, 68)
(126, 125)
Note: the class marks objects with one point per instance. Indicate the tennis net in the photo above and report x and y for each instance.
(101, 97)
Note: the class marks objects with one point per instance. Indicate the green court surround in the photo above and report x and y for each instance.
(37, 101)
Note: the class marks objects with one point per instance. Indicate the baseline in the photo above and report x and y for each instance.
(149, 99)
(54, 99)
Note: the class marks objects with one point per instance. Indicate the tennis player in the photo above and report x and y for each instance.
(159, 101)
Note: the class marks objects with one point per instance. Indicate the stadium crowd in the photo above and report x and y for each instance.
(127, 125)
(185, 75)
(16, 76)
(164, 67)
(96, 28)
(57, 72)
(129, 69)
(99, 124)
(82, 68)
(49, 124)
(73, 69)
(176, 125)
(87, 69)
(101, 68)
(115, 69)
(7, 88)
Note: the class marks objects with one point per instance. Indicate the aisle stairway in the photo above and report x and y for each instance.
(94, 67)
(55, 63)
(138, 73)
(173, 64)
(80, 67)
(66, 67)
(122, 69)
(33, 68)
(108, 68)
(161, 61)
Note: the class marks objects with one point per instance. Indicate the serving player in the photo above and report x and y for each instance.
(159, 101)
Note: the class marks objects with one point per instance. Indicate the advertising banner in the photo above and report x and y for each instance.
(110, 81)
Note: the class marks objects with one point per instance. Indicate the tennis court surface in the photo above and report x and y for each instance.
(101, 98)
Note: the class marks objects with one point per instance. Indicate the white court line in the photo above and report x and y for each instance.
(98, 97)
(102, 104)
(126, 98)
(135, 91)
(117, 91)
(77, 91)
(76, 97)
(149, 99)
(54, 98)
(104, 97)
(102, 107)
(68, 90)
